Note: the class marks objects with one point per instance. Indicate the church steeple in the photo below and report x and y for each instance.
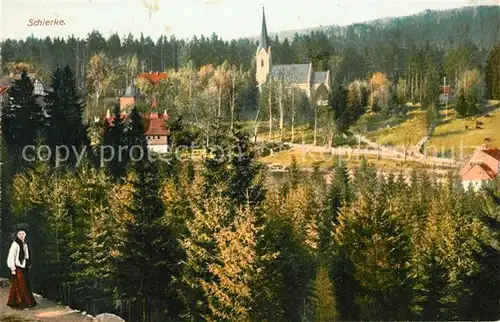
(263, 34)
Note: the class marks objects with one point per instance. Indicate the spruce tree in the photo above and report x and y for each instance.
(23, 121)
(294, 173)
(232, 294)
(246, 182)
(492, 72)
(65, 110)
(322, 301)
(148, 263)
(149, 254)
(114, 143)
(200, 246)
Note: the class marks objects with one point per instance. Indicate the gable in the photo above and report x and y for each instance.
(486, 156)
(475, 171)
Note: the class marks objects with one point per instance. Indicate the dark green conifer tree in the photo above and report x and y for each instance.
(115, 147)
(65, 110)
(23, 121)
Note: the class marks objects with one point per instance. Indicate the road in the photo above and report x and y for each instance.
(374, 150)
(44, 311)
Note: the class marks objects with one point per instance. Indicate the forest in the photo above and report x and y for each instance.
(216, 238)
(391, 46)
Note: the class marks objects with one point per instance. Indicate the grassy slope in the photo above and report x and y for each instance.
(392, 131)
(450, 134)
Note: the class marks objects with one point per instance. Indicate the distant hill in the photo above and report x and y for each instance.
(479, 25)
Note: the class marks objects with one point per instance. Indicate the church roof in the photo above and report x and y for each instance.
(264, 39)
(297, 73)
(320, 77)
(132, 91)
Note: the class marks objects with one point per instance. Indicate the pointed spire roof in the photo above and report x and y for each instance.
(264, 43)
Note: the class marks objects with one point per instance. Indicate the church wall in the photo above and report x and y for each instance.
(263, 62)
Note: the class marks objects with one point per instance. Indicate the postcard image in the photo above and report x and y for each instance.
(249, 160)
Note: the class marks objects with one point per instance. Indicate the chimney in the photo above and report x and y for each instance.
(108, 114)
(151, 72)
(157, 73)
(11, 74)
(165, 113)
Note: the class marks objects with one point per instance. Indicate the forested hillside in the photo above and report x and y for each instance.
(479, 25)
(387, 46)
(160, 241)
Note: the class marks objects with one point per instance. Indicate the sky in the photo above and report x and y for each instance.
(186, 18)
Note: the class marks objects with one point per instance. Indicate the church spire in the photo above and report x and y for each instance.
(263, 35)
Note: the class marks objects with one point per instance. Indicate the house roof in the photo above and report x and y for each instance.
(157, 125)
(478, 167)
(8, 80)
(493, 152)
(299, 73)
(477, 171)
(154, 77)
(3, 89)
(154, 123)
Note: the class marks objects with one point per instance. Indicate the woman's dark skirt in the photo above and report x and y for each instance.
(20, 296)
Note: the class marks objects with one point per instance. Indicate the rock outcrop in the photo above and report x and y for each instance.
(107, 317)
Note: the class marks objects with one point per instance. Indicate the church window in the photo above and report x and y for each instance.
(262, 63)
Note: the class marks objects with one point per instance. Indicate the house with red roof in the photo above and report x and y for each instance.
(133, 94)
(482, 166)
(154, 78)
(155, 125)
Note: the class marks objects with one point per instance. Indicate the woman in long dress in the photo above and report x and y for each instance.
(19, 262)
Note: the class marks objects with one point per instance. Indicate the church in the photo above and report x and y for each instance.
(316, 84)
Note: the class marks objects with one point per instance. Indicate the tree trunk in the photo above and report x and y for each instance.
(220, 99)
(293, 112)
(281, 112)
(404, 93)
(270, 116)
(315, 122)
(420, 88)
(232, 105)
(256, 125)
(411, 86)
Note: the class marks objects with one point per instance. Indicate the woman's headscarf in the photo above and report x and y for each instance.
(21, 246)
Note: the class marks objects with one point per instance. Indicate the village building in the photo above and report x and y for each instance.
(482, 166)
(39, 88)
(131, 97)
(155, 125)
(153, 77)
(316, 84)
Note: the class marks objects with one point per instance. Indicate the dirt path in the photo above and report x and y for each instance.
(44, 311)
